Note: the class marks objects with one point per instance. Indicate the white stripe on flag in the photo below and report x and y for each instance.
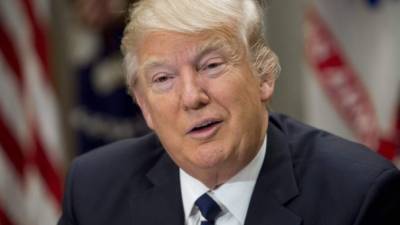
(12, 195)
(11, 105)
(40, 98)
(29, 178)
(41, 208)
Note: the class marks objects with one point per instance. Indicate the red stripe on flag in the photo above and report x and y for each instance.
(36, 156)
(390, 147)
(340, 81)
(10, 54)
(387, 148)
(40, 39)
(397, 128)
(40, 159)
(50, 175)
(4, 220)
(12, 148)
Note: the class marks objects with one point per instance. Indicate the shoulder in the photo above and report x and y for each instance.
(103, 180)
(117, 162)
(309, 144)
(338, 165)
(346, 181)
(140, 149)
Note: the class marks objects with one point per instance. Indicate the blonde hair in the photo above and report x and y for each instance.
(243, 17)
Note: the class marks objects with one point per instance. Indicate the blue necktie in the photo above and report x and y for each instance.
(208, 208)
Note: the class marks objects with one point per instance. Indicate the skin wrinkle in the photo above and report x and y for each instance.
(219, 41)
(219, 37)
(236, 96)
(238, 20)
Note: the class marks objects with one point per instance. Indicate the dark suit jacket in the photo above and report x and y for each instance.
(308, 177)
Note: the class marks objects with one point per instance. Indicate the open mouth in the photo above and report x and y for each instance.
(205, 129)
(204, 126)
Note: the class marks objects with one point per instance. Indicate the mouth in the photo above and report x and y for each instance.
(204, 129)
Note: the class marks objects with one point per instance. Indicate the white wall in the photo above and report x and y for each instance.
(285, 36)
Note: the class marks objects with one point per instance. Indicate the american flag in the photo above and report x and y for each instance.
(352, 50)
(31, 154)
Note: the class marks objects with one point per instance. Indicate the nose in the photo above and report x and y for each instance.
(194, 94)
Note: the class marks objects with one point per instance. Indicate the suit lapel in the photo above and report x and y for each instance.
(161, 203)
(275, 185)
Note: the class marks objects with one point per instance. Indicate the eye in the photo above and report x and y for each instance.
(160, 78)
(213, 66)
(162, 81)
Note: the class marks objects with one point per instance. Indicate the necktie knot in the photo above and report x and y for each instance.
(208, 208)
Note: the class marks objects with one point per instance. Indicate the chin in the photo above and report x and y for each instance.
(209, 158)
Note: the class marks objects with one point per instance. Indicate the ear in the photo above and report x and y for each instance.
(144, 108)
(267, 86)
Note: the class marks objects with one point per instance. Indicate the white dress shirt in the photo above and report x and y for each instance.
(233, 196)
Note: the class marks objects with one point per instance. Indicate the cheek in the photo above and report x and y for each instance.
(225, 88)
(164, 112)
(161, 115)
(236, 94)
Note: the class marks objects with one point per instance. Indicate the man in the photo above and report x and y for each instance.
(202, 75)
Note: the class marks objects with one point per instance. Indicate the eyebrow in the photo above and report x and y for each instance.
(220, 45)
(152, 62)
(208, 46)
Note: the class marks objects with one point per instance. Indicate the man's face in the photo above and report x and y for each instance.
(207, 108)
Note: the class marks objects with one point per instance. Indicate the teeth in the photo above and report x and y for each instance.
(207, 123)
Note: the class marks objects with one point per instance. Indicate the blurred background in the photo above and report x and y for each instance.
(62, 85)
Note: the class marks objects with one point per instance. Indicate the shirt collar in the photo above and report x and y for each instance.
(227, 194)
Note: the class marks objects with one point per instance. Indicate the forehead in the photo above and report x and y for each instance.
(159, 46)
